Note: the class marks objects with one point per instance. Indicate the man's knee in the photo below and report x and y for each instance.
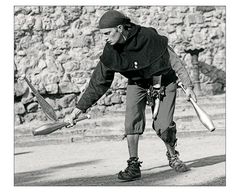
(132, 130)
(169, 135)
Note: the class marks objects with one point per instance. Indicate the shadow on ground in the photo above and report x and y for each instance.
(33, 178)
(208, 161)
(22, 153)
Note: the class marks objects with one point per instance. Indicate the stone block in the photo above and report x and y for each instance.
(199, 18)
(21, 53)
(35, 10)
(65, 101)
(32, 107)
(50, 62)
(208, 14)
(29, 24)
(52, 88)
(197, 37)
(42, 64)
(205, 8)
(116, 99)
(59, 114)
(183, 9)
(29, 117)
(191, 19)
(71, 66)
(107, 101)
(17, 120)
(214, 24)
(19, 108)
(90, 9)
(175, 21)
(27, 97)
(20, 88)
(61, 22)
(22, 10)
(50, 78)
(68, 87)
(41, 88)
(173, 14)
(171, 29)
(213, 89)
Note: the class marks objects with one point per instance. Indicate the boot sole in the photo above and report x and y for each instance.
(129, 180)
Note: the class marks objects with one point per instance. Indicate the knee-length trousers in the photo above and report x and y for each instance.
(135, 119)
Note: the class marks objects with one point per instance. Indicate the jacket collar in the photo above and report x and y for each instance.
(134, 30)
(131, 34)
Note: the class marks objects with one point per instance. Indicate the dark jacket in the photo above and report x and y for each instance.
(145, 54)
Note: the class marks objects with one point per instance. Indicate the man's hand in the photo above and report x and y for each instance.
(70, 118)
(190, 94)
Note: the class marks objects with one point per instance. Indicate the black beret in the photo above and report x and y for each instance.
(112, 18)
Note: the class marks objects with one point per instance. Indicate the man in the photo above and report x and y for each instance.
(141, 55)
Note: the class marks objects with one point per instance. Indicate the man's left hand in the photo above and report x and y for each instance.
(190, 94)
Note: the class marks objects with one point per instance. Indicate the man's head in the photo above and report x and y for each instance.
(112, 19)
(112, 35)
(111, 25)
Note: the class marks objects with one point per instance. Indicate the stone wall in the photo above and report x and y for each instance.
(57, 47)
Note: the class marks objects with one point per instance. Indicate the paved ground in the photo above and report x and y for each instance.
(97, 163)
(92, 152)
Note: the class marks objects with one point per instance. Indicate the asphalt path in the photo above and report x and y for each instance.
(97, 163)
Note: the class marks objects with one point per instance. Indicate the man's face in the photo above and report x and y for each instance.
(111, 35)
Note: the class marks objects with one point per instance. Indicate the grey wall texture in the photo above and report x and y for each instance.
(58, 47)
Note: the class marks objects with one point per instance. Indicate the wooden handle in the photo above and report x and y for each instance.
(202, 115)
(51, 127)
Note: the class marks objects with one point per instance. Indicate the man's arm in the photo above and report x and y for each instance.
(99, 83)
(178, 66)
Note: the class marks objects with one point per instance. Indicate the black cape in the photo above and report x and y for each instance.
(144, 52)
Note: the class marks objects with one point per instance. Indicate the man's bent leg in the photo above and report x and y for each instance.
(165, 127)
(169, 138)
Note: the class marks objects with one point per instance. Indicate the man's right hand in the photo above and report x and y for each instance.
(70, 118)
